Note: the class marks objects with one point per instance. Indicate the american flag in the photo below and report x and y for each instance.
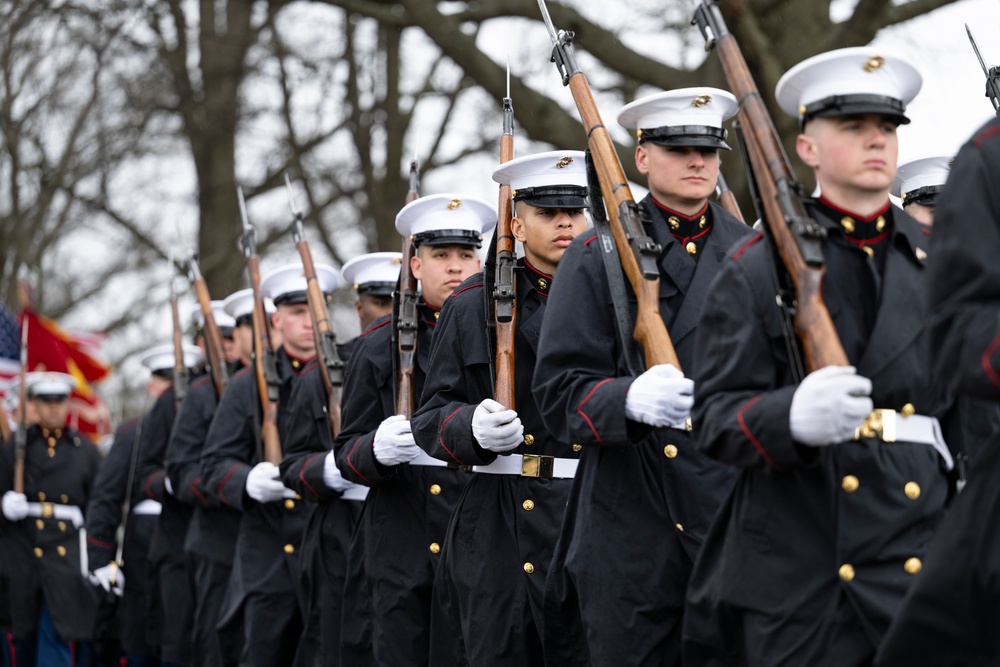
(10, 347)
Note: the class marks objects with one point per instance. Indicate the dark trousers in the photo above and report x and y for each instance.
(177, 604)
(212, 647)
(273, 626)
(46, 649)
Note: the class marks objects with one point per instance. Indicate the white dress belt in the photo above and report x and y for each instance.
(425, 459)
(892, 426)
(355, 492)
(147, 507)
(53, 511)
(531, 465)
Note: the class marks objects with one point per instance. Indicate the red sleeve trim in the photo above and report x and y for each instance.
(195, 484)
(580, 411)
(987, 365)
(989, 132)
(441, 436)
(750, 436)
(156, 478)
(100, 543)
(222, 484)
(302, 475)
(743, 248)
(357, 472)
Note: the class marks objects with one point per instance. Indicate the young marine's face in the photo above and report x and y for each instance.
(546, 233)
(231, 348)
(921, 213)
(679, 177)
(371, 307)
(442, 268)
(51, 414)
(851, 155)
(293, 322)
(243, 335)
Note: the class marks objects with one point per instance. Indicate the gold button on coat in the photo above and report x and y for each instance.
(62, 526)
(680, 527)
(529, 568)
(529, 439)
(850, 483)
(64, 498)
(846, 572)
(912, 490)
(908, 410)
(435, 489)
(528, 504)
(912, 565)
(691, 248)
(577, 447)
(39, 524)
(289, 504)
(435, 548)
(41, 496)
(61, 550)
(38, 552)
(670, 451)
(289, 548)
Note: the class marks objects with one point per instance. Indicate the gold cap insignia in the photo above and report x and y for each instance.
(564, 162)
(397, 260)
(873, 63)
(701, 100)
(454, 203)
(802, 110)
(355, 286)
(638, 134)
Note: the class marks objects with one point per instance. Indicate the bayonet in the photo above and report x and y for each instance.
(992, 74)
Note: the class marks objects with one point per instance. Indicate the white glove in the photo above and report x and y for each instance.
(167, 486)
(15, 505)
(264, 486)
(661, 396)
(331, 474)
(496, 428)
(394, 442)
(102, 577)
(829, 405)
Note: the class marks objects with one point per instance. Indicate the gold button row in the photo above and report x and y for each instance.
(911, 566)
(850, 484)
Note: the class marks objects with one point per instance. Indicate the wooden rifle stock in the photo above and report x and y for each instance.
(21, 439)
(263, 352)
(728, 200)
(213, 337)
(406, 322)
(330, 366)
(797, 238)
(180, 368)
(637, 252)
(504, 304)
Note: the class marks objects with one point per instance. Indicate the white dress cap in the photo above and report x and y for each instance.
(161, 357)
(682, 117)
(447, 219)
(287, 285)
(222, 318)
(556, 179)
(49, 384)
(240, 304)
(856, 80)
(374, 273)
(920, 181)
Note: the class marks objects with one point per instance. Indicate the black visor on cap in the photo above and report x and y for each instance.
(849, 105)
(448, 237)
(291, 298)
(226, 332)
(554, 196)
(245, 320)
(704, 136)
(165, 373)
(50, 398)
(376, 288)
(926, 195)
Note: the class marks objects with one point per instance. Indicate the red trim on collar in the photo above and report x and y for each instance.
(685, 239)
(859, 218)
(303, 362)
(861, 243)
(424, 303)
(528, 265)
(679, 214)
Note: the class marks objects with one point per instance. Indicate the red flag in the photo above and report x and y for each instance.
(52, 348)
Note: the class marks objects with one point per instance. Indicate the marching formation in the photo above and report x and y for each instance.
(656, 435)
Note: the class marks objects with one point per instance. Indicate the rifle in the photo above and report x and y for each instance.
(406, 324)
(504, 310)
(992, 75)
(797, 238)
(637, 252)
(268, 382)
(180, 368)
(213, 337)
(118, 562)
(330, 365)
(21, 440)
(728, 199)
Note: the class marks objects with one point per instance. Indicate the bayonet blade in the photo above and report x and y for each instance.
(975, 48)
(553, 34)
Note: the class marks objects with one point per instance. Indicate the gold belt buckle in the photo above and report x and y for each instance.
(537, 465)
(48, 510)
(880, 424)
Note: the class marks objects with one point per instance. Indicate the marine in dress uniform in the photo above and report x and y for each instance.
(211, 535)
(52, 601)
(309, 469)
(499, 543)
(136, 614)
(174, 571)
(643, 497)
(263, 595)
(835, 503)
(918, 184)
(950, 615)
(402, 526)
